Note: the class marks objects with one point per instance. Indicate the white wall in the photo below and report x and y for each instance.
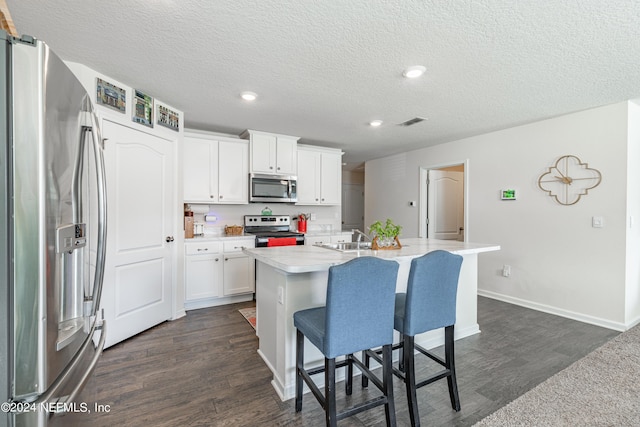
(559, 263)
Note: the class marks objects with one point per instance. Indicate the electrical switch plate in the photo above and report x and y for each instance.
(281, 295)
(597, 222)
(506, 270)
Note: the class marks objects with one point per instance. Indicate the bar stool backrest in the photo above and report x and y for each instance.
(360, 305)
(431, 292)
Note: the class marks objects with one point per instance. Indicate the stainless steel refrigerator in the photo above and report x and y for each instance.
(52, 237)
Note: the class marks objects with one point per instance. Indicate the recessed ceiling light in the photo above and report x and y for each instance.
(249, 96)
(375, 123)
(414, 71)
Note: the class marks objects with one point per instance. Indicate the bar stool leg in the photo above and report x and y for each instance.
(330, 392)
(299, 366)
(401, 354)
(348, 383)
(365, 379)
(387, 383)
(451, 365)
(410, 380)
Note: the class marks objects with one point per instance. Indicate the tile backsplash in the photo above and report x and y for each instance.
(324, 218)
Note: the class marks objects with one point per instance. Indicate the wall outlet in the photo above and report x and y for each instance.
(597, 222)
(313, 216)
(506, 270)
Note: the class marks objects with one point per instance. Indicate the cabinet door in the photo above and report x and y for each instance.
(200, 176)
(203, 276)
(233, 172)
(239, 276)
(330, 179)
(263, 154)
(308, 185)
(286, 156)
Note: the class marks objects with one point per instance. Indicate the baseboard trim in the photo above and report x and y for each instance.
(616, 326)
(213, 302)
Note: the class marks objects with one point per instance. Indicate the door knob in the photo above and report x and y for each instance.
(169, 239)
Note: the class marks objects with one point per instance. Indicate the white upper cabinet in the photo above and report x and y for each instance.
(200, 160)
(319, 176)
(272, 154)
(233, 172)
(215, 171)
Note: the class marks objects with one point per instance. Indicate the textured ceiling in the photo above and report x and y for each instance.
(324, 69)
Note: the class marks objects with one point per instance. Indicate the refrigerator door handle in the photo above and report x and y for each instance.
(50, 395)
(98, 147)
(92, 366)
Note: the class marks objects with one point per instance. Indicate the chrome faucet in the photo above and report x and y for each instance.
(360, 234)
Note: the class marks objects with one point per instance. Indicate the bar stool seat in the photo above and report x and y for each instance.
(358, 315)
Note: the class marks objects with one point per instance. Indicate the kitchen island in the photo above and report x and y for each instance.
(292, 278)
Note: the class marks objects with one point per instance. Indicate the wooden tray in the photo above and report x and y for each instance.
(375, 247)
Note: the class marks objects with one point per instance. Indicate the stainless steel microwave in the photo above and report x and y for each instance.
(272, 188)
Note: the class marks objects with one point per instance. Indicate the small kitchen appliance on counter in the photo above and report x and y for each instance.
(272, 230)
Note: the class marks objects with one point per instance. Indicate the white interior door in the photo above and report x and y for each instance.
(353, 207)
(140, 198)
(445, 205)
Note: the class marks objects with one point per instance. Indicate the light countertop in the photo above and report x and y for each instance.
(303, 259)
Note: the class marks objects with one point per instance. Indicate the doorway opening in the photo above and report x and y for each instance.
(353, 198)
(443, 201)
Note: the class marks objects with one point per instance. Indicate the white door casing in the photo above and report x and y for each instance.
(445, 205)
(140, 255)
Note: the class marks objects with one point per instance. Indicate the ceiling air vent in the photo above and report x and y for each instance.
(413, 121)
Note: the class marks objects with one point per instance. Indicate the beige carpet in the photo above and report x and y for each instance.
(601, 389)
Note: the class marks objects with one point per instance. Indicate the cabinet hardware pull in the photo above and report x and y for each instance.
(226, 259)
(205, 249)
(221, 196)
(169, 239)
(216, 259)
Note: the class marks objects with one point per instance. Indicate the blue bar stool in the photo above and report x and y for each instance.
(359, 315)
(428, 304)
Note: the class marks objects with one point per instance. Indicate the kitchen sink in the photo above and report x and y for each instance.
(347, 246)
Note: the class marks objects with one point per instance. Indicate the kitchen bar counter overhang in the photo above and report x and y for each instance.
(293, 278)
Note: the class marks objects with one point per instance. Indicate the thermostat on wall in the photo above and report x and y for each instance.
(508, 194)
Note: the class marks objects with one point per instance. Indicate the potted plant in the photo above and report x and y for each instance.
(386, 236)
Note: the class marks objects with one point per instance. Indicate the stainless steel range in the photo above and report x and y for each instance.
(272, 230)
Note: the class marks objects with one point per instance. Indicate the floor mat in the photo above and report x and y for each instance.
(250, 315)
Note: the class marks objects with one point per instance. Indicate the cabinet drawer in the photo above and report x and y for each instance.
(238, 245)
(339, 238)
(203, 248)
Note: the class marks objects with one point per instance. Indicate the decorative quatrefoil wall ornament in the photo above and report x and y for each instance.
(569, 179)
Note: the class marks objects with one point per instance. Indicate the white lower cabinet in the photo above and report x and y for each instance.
(203, 267)
(239, 276)
(239, 269)
(320, 239)
(218, 273)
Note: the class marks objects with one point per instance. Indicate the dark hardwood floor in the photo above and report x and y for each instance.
(203, 370)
